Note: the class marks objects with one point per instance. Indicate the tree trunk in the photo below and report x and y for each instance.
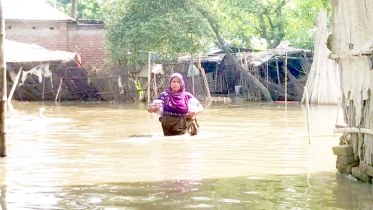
(352, 44)
(298, 89)
(247, 76)
(74, 7)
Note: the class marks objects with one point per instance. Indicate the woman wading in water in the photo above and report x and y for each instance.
(179, 108)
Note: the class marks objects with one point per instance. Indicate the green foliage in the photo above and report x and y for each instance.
(273, 20)
(165, 27)
(86, 9)
(173, 27)
(255, 18)
(303, 22)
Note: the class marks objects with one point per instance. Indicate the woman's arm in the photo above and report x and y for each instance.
(197, 110)
(152, 108)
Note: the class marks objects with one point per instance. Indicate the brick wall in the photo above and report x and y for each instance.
(87, 39)
(46, 34)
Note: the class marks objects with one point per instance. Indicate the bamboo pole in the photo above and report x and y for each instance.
(286, 77)
(149, 75)
(267, 73)
(42, 95)
(14, 87)
(204, 79)
(353, 130)
(3, 107)
(246, 63)
(216, 77)
(155, 86)
(59, 89)
(191, 65)
(308, 115)
(278, 72)
(193, 81)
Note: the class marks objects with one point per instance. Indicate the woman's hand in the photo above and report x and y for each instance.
(190, 115)
(153, 108)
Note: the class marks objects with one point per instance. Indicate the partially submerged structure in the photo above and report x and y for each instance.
(352, 48)
(35, 73)
(36, 22)
(269, 67)
(323, 82)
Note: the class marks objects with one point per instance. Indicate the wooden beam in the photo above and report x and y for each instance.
(353, 130)
(3, 104)
(14, 86)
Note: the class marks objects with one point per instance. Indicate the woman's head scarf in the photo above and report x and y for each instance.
(177, 101)
(182, 83)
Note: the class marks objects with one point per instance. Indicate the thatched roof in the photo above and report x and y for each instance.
(259, 58)
(32, 10)
(16, 52)
(217, 58)
(253, 58)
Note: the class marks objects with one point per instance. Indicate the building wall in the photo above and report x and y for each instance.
(50, 35)
(87, 39)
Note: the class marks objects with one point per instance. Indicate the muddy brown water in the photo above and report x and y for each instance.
(91, 155)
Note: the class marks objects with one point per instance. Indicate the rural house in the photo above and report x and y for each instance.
(36, 22)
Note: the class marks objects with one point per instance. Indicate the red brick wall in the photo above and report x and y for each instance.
(87, 39)
(46, 34)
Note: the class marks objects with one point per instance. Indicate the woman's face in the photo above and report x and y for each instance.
(175, 84)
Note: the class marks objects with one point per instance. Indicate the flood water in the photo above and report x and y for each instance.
(101, 155)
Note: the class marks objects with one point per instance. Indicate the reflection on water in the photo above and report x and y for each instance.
(114, 156)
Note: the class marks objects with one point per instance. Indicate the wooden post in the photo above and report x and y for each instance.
(149, 75)
(308, 115)
(267, 73)
(204, 79)
(192, 71)
(42, 95)
(59, 89)
(216, 77)
(155, 86)
(278, 73)
(286, 77)
(193, 83)
(3, 104)
(14, 86)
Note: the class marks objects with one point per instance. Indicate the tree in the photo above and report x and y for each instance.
(73, 8)
(273, 20)
(168, 27)
(302, 22)
(86, 9)
(173, 27)
(240, 20)
(247, 76)
(265, 18)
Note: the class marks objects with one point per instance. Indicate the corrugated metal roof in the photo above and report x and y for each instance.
(32, 10)
(17, 52)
